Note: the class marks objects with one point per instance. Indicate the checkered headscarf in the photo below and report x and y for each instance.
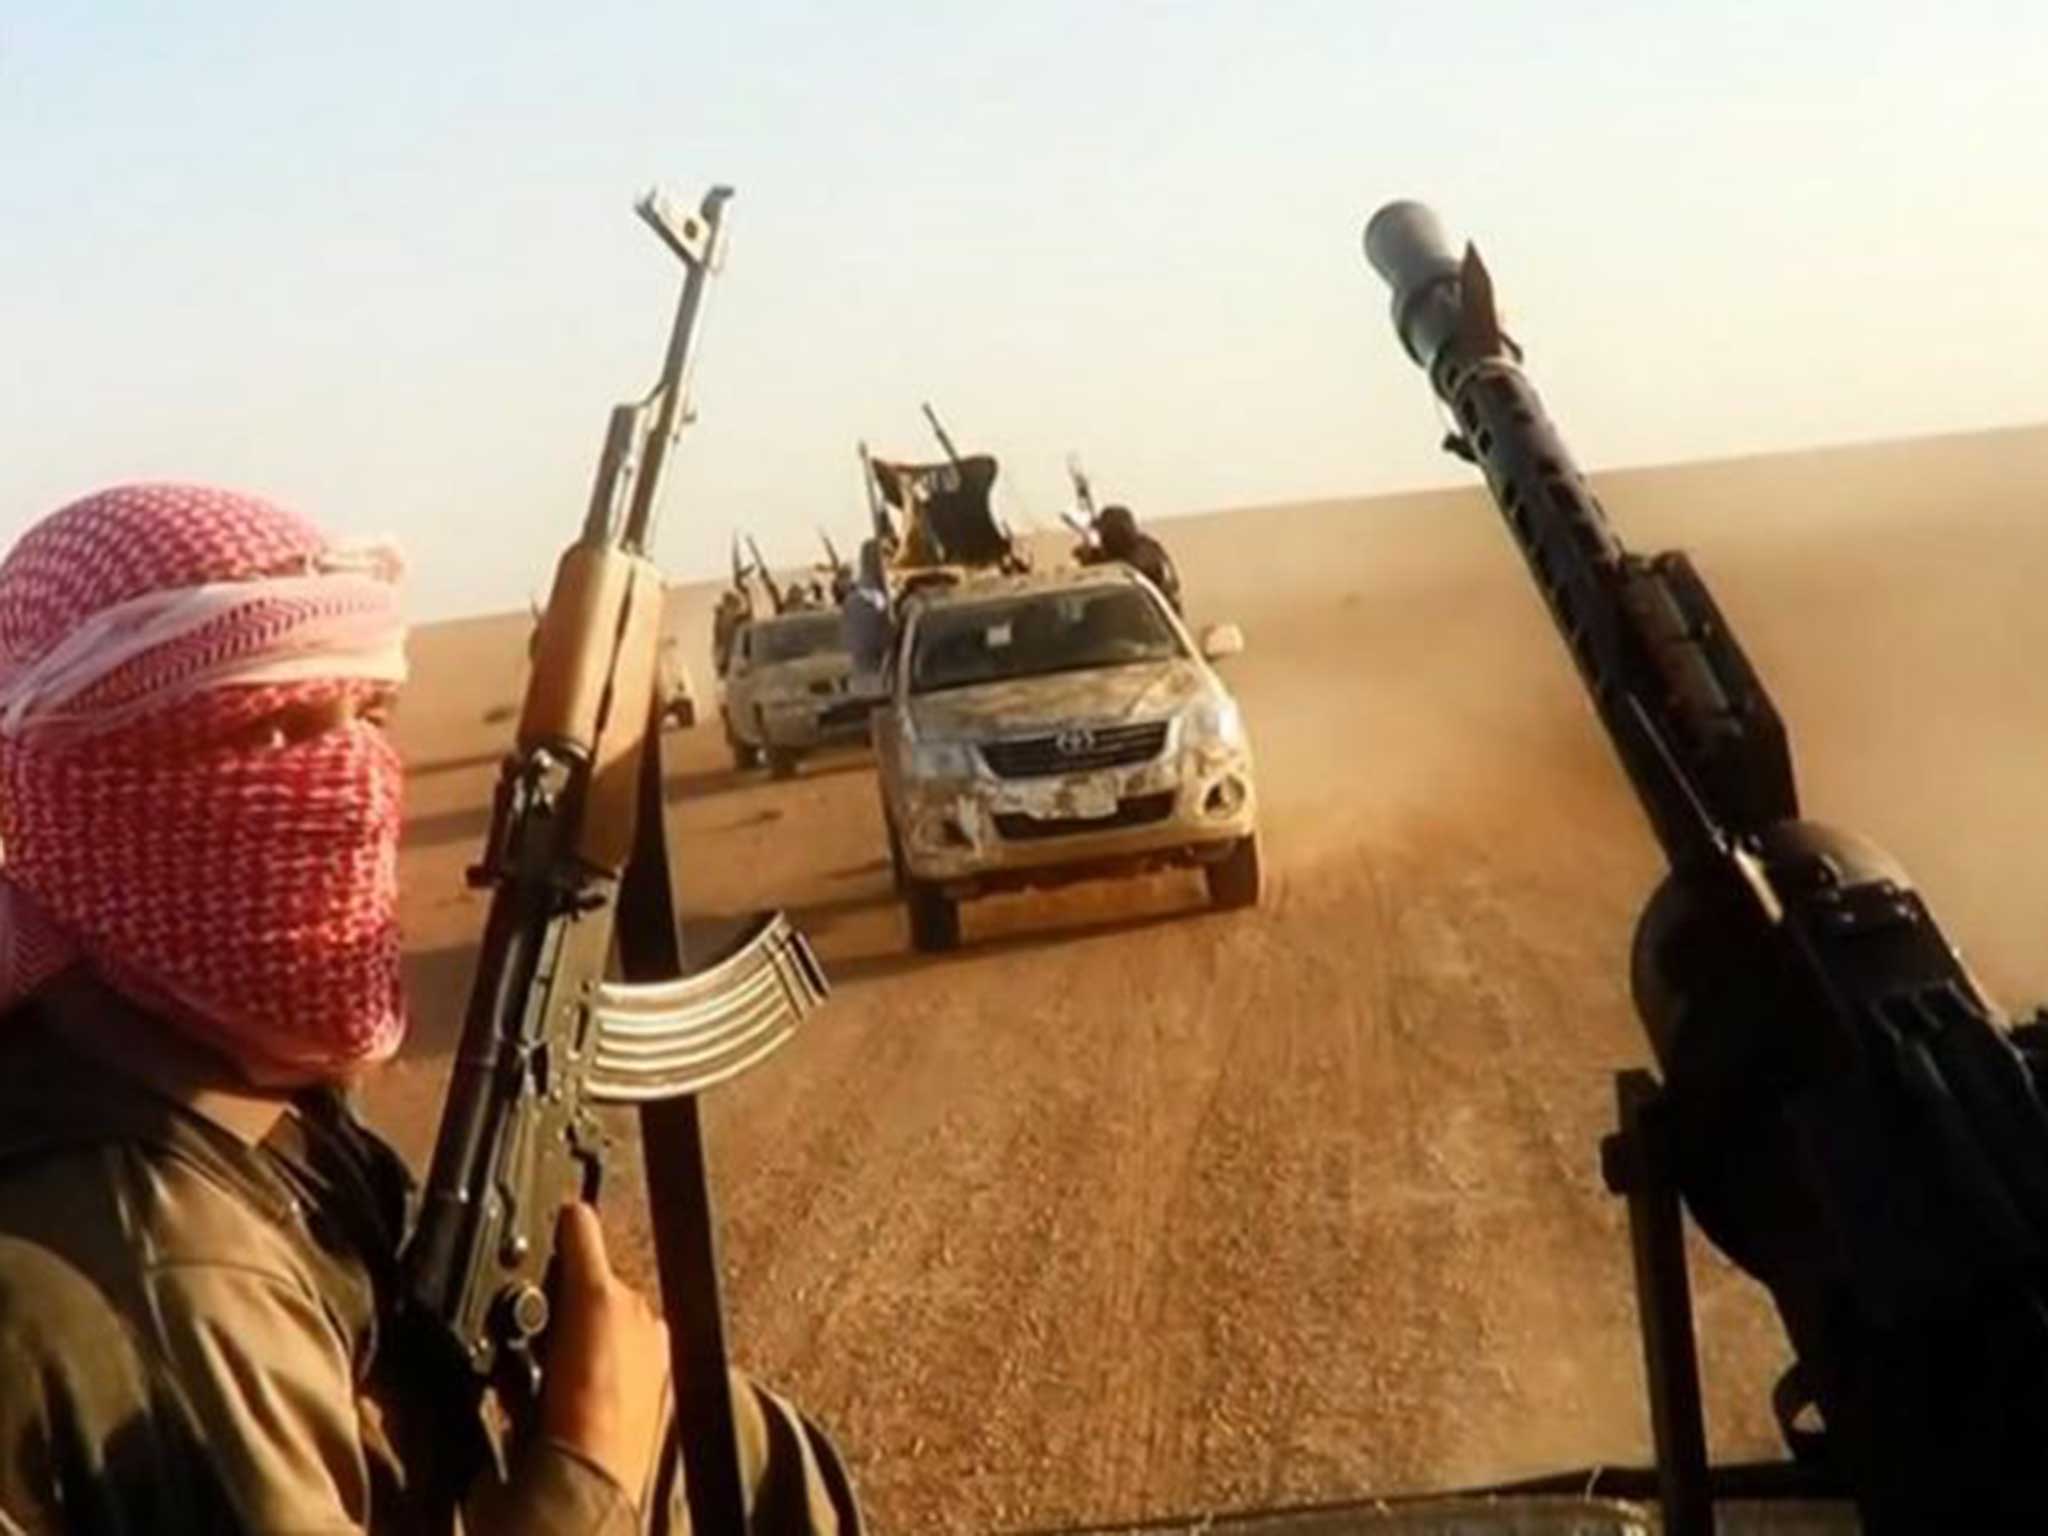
(241, 886)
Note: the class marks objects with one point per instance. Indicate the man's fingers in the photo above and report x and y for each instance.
(608, 1368)
(579, 1242)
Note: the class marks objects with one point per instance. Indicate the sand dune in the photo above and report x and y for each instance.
(1129, 1209)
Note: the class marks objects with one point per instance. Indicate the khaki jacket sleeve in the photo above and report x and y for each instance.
(87, 1441)
(271, 1390)
(552, 1489)
(793, 1480)
(272, 1384)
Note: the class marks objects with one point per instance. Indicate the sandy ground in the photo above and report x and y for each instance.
(1129, 1209)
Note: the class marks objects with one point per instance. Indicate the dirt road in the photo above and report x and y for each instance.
(1130, 1209)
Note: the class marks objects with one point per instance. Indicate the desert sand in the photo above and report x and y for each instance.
(1128, 1209)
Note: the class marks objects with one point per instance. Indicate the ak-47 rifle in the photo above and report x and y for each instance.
(739, 572)
(878, 509)
(577, 866)
(1845, 1113)
(775, 599)
(835, 568)
(834, 565)
(1083, 520)
(939, 431)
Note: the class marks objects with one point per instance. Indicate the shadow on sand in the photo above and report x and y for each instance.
(441, 765)
(437, 981)
(878, 965)
(708, 933)
(685, 783)
(858, 871)
(680, 785)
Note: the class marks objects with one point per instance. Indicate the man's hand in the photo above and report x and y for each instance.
(607, 1370)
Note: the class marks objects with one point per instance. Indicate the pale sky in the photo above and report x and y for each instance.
(378, 260)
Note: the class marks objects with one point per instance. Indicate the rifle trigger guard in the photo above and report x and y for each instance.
(662, 1040)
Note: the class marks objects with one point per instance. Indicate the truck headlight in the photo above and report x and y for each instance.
(941, 759)
(1213, 722)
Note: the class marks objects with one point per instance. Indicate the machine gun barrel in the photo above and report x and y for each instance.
(1406, 245)
(1847, 1116)
(1689, 717)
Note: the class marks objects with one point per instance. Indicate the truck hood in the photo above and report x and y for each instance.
(1099, 696)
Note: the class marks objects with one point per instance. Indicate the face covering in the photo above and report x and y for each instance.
(166, 816)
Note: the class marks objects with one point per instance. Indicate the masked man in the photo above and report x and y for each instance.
(199, 1243)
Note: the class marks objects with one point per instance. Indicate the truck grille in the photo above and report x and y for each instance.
(1075, 751)
(848, 712)
(1138, 811)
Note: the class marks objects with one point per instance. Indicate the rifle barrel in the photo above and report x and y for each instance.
(699, 242)
(939, 430)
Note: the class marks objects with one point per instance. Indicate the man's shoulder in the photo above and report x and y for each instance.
(92, 1435)
(93, 1160)
(131, 1332)
(70, 1360)
(50, 1308)
(124, 1216)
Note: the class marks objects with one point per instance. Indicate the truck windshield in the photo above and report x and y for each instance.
(1036, 633)
(789, 639)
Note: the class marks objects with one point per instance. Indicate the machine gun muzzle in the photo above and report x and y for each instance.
(1438, 297)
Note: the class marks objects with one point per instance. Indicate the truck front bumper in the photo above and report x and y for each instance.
(981, 834)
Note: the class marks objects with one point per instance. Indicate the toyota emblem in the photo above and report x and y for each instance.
(1074, 743)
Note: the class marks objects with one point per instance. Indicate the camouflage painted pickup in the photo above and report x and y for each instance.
(1047, 728)
(789, 691)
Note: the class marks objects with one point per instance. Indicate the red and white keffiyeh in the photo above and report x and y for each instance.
(244, 889)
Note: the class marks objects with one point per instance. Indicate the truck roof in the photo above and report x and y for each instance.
(1068, 578)
(795, 616)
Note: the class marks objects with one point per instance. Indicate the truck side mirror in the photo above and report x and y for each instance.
(1222, 640)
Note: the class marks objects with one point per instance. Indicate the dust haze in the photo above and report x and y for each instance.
(1130, 1209)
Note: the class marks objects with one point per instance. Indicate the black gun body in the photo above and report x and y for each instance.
(1856, 1126)
(1849, 949)
(520, 1141)
(1689, 718)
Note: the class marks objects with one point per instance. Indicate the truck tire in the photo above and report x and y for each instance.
(743, 755)
(899, 875)
(934, 918)
(782, 762)
(1234, 880)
